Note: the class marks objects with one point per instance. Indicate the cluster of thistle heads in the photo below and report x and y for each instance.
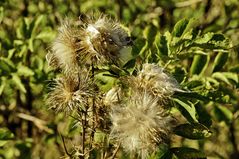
(133, 113)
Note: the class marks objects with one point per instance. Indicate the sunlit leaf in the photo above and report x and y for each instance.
(35, 25)
(161, 44)
(5, 135)
(180, 27)
(17, 80)
(47, 35)
(226, 77)
(222, 113)
(220, 61)
(3, 83)
(199, 64)
(187, 109)
(150, 33)
(193, 131)
(24, 71)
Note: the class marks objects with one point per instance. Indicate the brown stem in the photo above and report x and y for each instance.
(115, 152)
(64, 145)
(93, 112)
(83, 132)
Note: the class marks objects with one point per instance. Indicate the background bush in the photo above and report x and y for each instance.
(201, 51)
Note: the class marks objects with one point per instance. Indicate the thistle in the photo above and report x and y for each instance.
(68, 95)
(97, 41)
(140, 124)
(64, 53)
(102, 40)
(153, 79)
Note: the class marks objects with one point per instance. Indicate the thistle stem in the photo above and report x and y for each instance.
(93, 111)
(84, 116)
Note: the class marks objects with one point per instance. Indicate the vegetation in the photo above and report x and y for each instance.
(166, 88)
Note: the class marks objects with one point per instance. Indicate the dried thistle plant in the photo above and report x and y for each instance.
(133, 115)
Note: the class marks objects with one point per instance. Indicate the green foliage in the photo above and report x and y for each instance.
(200, 50)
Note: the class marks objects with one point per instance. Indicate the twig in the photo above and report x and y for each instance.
(41, 124)
(187, 3)
(83, 132)
(93, 112)
(64, 145)
(115, 152)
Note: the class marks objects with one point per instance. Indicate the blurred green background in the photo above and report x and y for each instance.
(28, 27)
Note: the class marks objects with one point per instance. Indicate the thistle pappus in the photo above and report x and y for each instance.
(140, 124)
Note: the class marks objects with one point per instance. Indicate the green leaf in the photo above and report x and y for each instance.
(226, 77)
(223, 114)
(30, 44)
(17, 80)
(46, 35)
(193, 131)
(5, 135)
(3, 83)
(180, 27)
(187, 109)
(205, 39)
(203, 116)
(24, 71)
(150, 33)
(21, 30)
(199, 64)
(1, 14)
(161, 44)
(6, 65)
(220, 61)
(167, 155)
(188, 153)
(138, 47)
(35, 25)
(105, 81)
(235, 69)
(125, 55)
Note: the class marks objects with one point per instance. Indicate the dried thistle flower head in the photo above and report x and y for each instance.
(153, 79)
(65, 48)
(96, 41)
(102, 40)
(68, 95)
(140, 124)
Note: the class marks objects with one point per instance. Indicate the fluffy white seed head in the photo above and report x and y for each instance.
(140, 124)
(155, 80)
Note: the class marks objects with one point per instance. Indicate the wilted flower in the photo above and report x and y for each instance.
(140, 124)
(68, 95)
(153, 79)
